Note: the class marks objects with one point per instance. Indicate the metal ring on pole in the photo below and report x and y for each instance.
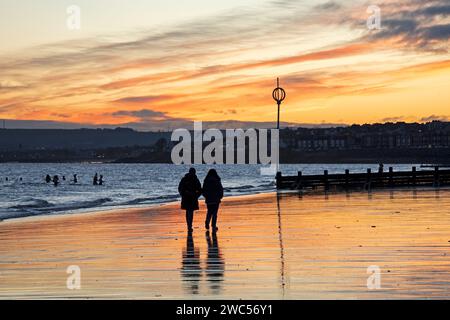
(279, 94)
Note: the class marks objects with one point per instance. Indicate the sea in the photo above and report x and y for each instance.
(24, 192)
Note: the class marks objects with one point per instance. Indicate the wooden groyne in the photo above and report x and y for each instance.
(367, 180)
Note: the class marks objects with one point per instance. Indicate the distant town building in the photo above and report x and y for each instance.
(435, 134)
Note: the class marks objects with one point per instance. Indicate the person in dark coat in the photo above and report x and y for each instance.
(213, 193)
(190, 190)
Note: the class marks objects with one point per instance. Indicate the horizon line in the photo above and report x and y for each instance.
(284, 125)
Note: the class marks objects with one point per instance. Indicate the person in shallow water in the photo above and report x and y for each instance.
(75, 178)
(213, 193)
(48, 179)
(55, 180)
(190, 190)
(100, 181)
(95, 181)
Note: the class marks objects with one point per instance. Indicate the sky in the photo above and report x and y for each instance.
(162, 64)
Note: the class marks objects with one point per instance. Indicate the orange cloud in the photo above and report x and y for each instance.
(204, 70)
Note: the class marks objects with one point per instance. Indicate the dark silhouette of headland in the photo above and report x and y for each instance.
(371, 143)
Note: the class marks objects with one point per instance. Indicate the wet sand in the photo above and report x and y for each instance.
(268, 247)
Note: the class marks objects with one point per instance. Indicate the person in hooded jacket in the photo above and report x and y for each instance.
(190, 190)
(213, 193)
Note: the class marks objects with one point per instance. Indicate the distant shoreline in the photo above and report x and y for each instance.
(110, 210)
(36, 196)
(389, 142)
(227, 199)
(373, 162)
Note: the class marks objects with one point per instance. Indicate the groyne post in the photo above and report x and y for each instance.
(325, 178)
(436, 177)
(347, 178)
(391, 176)
(369, 179)
(299, 180)
(278, 179)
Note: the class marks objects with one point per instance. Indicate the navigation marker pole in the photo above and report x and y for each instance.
(278, 95)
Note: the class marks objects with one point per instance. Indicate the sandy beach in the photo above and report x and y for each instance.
(268, 247)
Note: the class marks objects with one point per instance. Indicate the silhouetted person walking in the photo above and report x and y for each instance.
(100, 181)
(48, 179)
(190, 190)
(213, 193)
(75, 178)
(95, 182)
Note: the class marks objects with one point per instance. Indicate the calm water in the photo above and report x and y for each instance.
(127, 185)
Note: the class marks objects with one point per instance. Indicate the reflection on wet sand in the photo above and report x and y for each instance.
(191, 270)
(214, 265)
(320, 248)
(280, 237)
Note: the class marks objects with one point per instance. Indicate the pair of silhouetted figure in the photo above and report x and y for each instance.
(55, 179)
(190, 190)
(97, 180)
